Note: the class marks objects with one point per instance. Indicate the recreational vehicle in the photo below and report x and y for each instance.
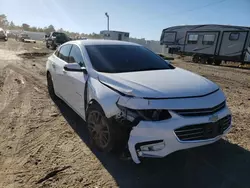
(209, 43)
(115, 35)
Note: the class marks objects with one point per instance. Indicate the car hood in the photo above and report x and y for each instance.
(170, 83)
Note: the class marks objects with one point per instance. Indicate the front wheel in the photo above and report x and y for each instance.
(104, 135)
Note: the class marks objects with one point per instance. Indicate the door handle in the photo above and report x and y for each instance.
(64, 71)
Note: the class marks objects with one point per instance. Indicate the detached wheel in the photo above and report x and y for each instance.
(50, 87)
(103, 135)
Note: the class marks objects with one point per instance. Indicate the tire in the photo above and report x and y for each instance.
(209, 61)
(53, 46)
(104, 136)
(195, 59)
(50, 87)
(203, 60)
(217, 62)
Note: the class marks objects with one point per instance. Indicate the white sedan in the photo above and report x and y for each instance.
(130, 97)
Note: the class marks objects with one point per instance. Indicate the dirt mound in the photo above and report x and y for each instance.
(32, 55)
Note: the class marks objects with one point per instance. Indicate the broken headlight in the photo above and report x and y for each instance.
(148, 115)
(154, 115)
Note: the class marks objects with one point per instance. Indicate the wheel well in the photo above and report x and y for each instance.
(47, 73)
(93, 102)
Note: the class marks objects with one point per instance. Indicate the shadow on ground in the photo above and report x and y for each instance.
(222, 165)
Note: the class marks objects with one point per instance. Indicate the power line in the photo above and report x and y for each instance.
(204, 6)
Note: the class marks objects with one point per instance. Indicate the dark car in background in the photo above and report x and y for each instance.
(3, 35)
(55, 39)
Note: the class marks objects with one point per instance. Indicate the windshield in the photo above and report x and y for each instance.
(124, 58)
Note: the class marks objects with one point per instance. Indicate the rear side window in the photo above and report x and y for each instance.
(234, 36)
(192, 39)
(64, 52)
(76, 56)
(208, 39)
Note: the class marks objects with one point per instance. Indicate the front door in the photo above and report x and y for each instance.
(76, 83)
(232, 43)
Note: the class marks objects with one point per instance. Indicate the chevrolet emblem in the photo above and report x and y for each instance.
(214, 118)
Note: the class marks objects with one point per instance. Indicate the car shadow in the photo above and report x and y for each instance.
(221, 165)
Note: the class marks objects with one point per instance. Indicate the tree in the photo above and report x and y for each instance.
(39, 29)
(25, 26)
(3, 21)
(60, 30)
(34, 29)
(49, 29)
(12, 25)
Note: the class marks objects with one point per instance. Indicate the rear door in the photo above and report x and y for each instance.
(232, 43)
(76, 82)
(58, 67)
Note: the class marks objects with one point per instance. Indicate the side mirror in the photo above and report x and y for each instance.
(75, 67)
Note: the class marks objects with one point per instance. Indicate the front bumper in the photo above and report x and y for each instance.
(166, 141)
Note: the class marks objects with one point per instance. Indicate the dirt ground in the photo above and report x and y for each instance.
(45, 144)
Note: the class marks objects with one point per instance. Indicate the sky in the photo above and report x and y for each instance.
(142, 18)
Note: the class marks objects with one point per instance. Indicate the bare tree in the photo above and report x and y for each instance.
(3, 21)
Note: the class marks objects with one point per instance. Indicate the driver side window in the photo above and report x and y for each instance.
(75, 56)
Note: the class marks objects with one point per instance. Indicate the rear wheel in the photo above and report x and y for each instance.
(103, 134)
(203, 60)
(195, 59)
(209, 61)
(53, 46)
(217, 62)
(50, 87)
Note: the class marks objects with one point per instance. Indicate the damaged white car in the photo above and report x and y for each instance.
(131, 97)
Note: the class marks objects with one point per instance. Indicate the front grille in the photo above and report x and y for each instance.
(201, 112)
(203, 131)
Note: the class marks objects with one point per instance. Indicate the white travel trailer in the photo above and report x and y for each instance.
(209, 43)
(115, 35)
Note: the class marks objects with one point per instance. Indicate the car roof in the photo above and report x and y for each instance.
(90, 42)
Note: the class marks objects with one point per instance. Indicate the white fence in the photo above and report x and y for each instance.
(150, 44)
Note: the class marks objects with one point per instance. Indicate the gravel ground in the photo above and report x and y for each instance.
(43, 143)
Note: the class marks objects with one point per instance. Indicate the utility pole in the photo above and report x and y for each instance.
(106, 14)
